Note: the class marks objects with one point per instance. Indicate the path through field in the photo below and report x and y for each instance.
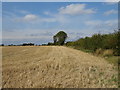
(54, 67)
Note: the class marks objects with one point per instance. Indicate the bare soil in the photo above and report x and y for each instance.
(55, 67)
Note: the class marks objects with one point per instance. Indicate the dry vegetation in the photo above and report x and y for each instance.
(55, 67)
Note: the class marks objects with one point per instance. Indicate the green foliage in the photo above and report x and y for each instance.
(99, 41)
(60, 38)
(50, 43)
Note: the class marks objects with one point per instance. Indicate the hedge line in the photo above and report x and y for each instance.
(99, 41)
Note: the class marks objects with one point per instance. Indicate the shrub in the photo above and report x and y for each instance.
(98, 41)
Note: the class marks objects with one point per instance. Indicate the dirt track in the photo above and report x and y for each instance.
(55, 67)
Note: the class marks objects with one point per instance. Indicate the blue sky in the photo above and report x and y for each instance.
(38, 22)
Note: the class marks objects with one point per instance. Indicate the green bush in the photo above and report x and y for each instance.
(97, 41)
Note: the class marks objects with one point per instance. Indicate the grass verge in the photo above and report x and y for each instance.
(111, 59)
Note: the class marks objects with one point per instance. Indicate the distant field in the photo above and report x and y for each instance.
(55, 67)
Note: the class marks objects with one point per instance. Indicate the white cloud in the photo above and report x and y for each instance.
(75, 9)
(103, 26)
(100, 22)
(28, 34)
(47, 13)
(27, 18)
(112, 1)
(111, 22)
(35, 19)
(93, 22)
(30, 17)
(110, 12)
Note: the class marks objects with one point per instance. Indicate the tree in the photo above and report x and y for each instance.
(28, 44)
(60, 38)
(2, 44)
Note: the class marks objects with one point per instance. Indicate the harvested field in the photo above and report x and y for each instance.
(54, 67)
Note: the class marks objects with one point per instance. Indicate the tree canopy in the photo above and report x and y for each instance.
(60, 38)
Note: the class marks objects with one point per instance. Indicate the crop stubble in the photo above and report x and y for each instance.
(55, 67)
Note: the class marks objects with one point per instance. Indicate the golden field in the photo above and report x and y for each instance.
(55, 67)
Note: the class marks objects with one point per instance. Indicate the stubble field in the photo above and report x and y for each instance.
(55, 67)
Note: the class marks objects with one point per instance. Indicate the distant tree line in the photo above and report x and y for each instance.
(93, 43)
(2, 45)
(24, 44)
(28, 44)
(99, 41)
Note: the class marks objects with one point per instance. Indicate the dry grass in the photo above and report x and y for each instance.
(108, 53)
(55, 67)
